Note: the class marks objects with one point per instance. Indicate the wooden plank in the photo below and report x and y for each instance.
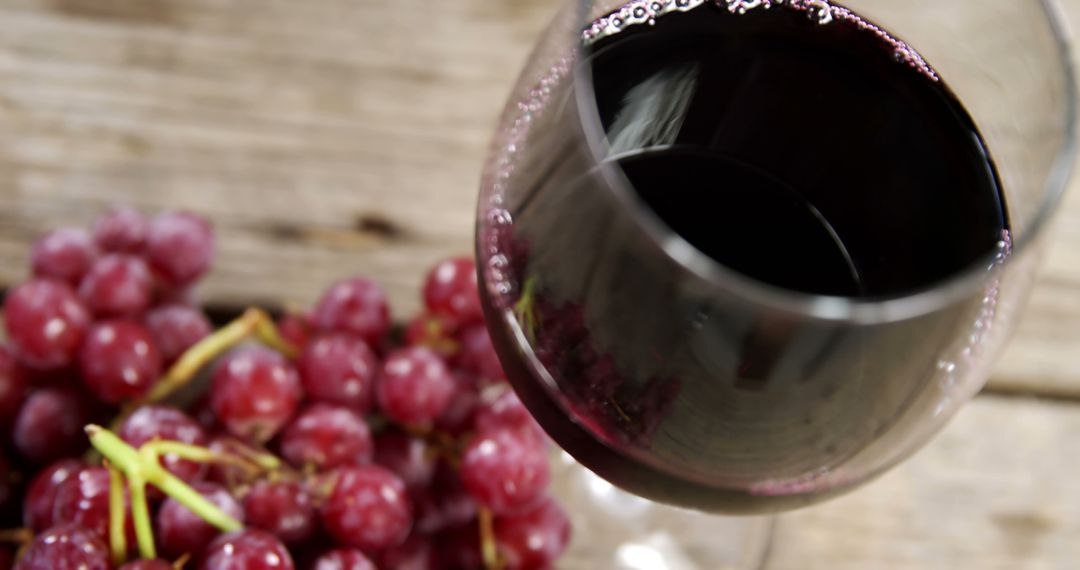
(996, 490)
(1042, 356)
(324, 137)
(328, 137)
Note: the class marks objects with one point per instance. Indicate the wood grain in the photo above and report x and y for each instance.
(1042, 358)
(323, 138)
(994, 492)
(331, 137)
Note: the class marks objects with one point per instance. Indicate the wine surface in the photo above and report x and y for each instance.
(798, 153)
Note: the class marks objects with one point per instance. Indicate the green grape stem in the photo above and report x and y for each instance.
(117, 518)
(525, 309)
(141, 467)
(253, 323)
(488, 549)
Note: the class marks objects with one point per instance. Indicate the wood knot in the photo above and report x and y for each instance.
(379, 225)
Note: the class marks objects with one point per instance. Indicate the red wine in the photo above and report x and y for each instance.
(838, 170)
(798, 150)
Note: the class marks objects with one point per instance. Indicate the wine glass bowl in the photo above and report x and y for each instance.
(751, 373)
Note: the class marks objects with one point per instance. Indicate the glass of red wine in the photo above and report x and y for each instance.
(744, 255)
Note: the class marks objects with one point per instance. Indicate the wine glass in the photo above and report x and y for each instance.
(744, 255)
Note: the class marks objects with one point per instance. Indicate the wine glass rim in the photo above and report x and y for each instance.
(835, 308)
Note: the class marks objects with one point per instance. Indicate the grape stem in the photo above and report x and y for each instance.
(17, 535)
(525, 309)
(441, 444)
(488, 549)
(255, 461)
(436, 338)
(141, 467)
(263, 460)
(22, 537)
(140, 512)
(179, 563)
(117, 533)
(253, 323)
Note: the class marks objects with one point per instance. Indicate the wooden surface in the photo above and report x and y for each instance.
(324, 138)
(996, 491)
(328, 137)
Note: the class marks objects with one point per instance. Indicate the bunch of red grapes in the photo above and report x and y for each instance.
(136, 436)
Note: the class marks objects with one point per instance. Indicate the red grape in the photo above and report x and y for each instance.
(180, 247)
(340, 369)
(121, 230)
(203, 413)
(434, 332)
(12, 386)
(255, 391)
(367, 509)
(533, 539)
(415, 553)
(445, 504)
(451, 290)
(506, 411)
(477, 354)
(118, 285)
(46, 323)
(408, 457)
(343, 559)
(7, 559)
(184, 296)
(84, 500)
(459, 548)
(65, 254)
(460, 413)
(357, 306)
(41, 495)
(326, 436)
(66, 547)
(229, 475)
(283, 508)
(414, 386)
(296, 328)
(181, 531)
(155, 564)
(176, 328)
(119, 360)
(152, 422)
(39, 378)
(50, 424)
(505, 469)
(246, 550)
